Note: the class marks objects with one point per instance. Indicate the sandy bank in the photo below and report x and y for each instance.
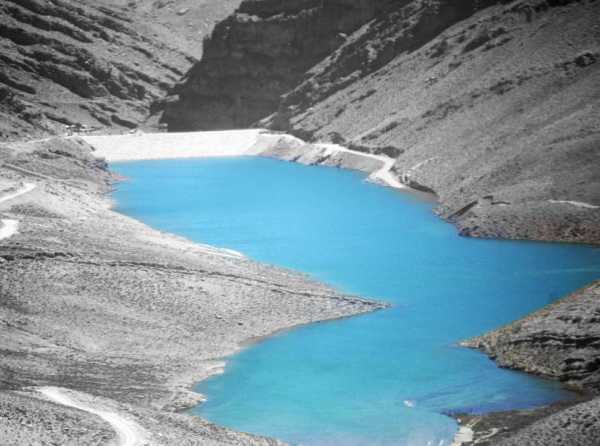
(248, 142)
(148, 146)
(464, 435)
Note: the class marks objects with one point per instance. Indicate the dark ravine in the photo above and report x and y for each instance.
(256, 55)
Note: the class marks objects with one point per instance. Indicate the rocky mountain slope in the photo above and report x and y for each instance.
(491, 105)
(570, 423)
(258, 53)
(562, 342)
(94, 63)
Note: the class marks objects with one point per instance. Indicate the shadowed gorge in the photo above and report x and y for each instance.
(257, 54)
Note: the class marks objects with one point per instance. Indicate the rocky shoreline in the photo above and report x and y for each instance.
(100, 304)
(571, 422)
(559, 341)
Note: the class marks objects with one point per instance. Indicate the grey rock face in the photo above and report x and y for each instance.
(27, 420)
(561, 341)
(576, 426)
(256, 55)
(489, 108)
(572, 423)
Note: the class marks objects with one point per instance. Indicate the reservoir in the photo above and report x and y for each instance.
(385, 378)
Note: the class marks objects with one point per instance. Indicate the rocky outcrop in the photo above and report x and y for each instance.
(576, 426)
(561, 341)
(90, 63)
(256, 55)
(573, 423)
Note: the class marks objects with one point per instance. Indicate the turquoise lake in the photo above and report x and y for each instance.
(381, 379)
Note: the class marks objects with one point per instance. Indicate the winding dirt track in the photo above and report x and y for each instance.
(27, 187)
(383, 176)
(8, 227)
(128, 432)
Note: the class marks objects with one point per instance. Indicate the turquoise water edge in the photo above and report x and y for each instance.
(381, 379)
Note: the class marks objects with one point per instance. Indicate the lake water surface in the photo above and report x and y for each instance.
(380, 379)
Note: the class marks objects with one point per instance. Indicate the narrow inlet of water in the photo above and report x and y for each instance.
(380, 379)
